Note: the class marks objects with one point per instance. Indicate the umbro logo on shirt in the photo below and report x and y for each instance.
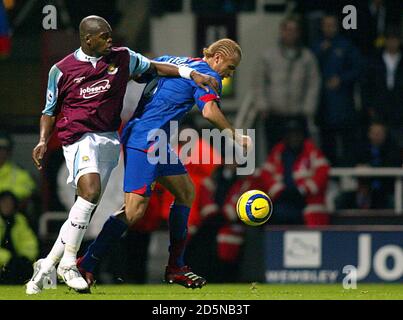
(95, 89)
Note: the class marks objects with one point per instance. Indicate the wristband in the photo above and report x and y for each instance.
(185, 72)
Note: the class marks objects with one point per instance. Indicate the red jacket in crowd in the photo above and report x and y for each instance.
(230, 236)
(310, 173)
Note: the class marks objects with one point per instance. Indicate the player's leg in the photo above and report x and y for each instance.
(139, 177)
(106, 151)
(88, 191)
(182, 188)
(89, 166)
(107, 159)
(113, 229)
(69, 239)
(57, 251)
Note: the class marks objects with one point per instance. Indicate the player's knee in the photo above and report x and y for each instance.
(186, 196)
(91, 194)
(134, 213)
(89, 187)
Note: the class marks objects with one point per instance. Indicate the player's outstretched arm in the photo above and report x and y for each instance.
(47, 125)
(212, 113)
(168, 69)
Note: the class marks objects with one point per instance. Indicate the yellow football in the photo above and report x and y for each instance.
(254, 207)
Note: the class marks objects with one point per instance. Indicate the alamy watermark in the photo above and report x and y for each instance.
(193, 152)
(350, 280)
(350, 18)
(50, 281)
(49, 21)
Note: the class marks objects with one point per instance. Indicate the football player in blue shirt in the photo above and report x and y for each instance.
(165, 100)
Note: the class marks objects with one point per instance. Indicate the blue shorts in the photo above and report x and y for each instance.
(142, 170)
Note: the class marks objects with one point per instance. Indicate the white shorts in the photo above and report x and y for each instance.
(93, 153)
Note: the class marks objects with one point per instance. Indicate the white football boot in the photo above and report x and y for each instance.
(39, 278)
(72, 277)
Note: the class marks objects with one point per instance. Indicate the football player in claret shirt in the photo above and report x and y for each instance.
(86, 89)
(165, 100)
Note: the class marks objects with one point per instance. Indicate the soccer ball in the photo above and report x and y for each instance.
(254, 207)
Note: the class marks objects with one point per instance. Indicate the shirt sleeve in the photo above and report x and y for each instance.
(138, 63)
(201, 96)
(52, 91)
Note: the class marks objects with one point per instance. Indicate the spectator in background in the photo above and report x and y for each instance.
(378, 151)
(295, 176)
(289, 81)
(374, 17)
(383, 86)
(18, 244)
(337, 119)
(12, 177)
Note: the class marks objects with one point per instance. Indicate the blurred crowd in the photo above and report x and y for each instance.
(19, 246)
(328, 98)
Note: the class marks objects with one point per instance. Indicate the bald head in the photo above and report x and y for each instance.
(93, 25)
(95, 36)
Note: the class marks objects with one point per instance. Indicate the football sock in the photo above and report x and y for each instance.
(79, 218)
(57, 251)
(178, 222)
(110, 234)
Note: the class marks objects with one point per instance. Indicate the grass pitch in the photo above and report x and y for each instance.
(215, 292)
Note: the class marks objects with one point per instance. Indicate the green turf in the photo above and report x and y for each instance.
(214, 292)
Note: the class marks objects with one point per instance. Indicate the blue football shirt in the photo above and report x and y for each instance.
(166, 99)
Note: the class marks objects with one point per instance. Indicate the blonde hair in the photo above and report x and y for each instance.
(226, 47)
